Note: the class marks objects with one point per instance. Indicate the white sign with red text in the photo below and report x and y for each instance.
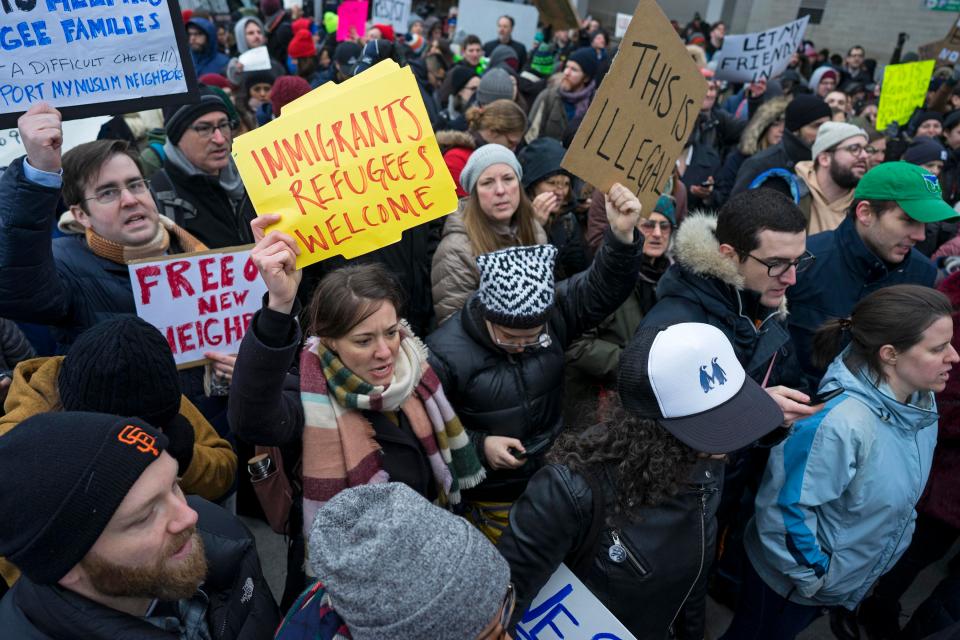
(201, 301)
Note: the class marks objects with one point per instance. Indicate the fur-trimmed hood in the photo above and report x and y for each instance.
(450, 139)
(697, 250)
(768, 113)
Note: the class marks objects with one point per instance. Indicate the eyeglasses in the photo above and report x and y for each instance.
(542, 341)
(872, 150)
(205, 129)
(854, 149)
(777, 268)
(649, 225)
(506, 611)
(558, 183)
(110, 195)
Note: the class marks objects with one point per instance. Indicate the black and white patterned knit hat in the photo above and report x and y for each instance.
(516, 285)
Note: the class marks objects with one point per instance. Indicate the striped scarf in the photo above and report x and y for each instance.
(339, 447)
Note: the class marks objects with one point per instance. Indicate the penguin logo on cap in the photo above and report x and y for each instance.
(717, 377)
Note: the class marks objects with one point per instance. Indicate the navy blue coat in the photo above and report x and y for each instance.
(59, 283)
(845, 271)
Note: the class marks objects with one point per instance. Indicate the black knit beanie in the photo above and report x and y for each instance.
(122, 366)
(803, 110)
(64, 475)
(179, 118)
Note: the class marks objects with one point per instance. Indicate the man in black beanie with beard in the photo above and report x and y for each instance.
(773, 167)
(109, 547)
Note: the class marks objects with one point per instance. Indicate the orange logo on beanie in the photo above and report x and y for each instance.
(137, 436)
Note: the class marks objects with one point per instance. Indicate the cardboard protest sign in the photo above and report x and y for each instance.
(74, 132)
(565, 608)
(349, 167)
(479, 17)
(904, 88)
(395, 13)
(946, 50)
(559, 14)
(623, 22)
(200, 301)
(643, 113)
(765, 54)
(92, 58)
(352, 16)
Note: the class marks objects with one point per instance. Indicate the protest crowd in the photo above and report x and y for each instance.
(723, 374)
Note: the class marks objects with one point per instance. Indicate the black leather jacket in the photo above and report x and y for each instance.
(662, 582)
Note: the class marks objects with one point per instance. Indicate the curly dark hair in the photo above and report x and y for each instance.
(647, 462)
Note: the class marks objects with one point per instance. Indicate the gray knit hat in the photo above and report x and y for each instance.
(396, 566)
(516, 285)
(495, 84)
(830, 134)
(485, 156)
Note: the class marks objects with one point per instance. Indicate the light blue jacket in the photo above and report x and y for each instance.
(835, 510)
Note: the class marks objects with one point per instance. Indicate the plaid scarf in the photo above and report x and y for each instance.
(312, 617)
(339, 447)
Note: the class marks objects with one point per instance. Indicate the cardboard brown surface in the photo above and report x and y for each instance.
(946, 51)
(559, 14)
(642, 114)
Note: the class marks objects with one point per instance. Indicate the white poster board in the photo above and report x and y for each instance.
(479, 17)
(84, 56)
(623, 21)
(765, 54)
(200, 301)
(395, 13)
(565, 609)
(74, 132)
(256, 59)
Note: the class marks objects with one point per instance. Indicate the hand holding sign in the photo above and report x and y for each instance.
(275, 255)
(41, 130)
(623, 212)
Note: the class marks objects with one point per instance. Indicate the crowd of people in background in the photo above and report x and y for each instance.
(743, 394)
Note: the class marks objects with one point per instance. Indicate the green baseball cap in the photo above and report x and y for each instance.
(915, 189)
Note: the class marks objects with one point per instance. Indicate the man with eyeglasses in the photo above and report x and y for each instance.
(839, 161)
(732, 271)
(199, 186)
(874, 247)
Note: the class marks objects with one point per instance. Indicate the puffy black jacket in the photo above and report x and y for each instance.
(60, 283)
(701, 286)
(783, 155)
(670, 548)
(240, 605)
(521, 395)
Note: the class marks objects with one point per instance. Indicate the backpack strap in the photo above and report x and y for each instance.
(171, 205)
(580, 562)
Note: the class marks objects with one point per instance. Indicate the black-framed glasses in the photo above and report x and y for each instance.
(503, 620)
(776, 268)
(205, 129)
(109, 195)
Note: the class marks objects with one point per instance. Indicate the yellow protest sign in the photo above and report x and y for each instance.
(349, 167)
(903, 90)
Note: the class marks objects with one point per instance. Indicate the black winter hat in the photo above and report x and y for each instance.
(587, 59)
(253, 78)
(64, 475)
(541, 159)
(924, 149)
(122, 366)
(803, 110)
(177, 119)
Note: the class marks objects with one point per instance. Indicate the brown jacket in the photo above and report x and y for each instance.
(34, 390)
(454, 275)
